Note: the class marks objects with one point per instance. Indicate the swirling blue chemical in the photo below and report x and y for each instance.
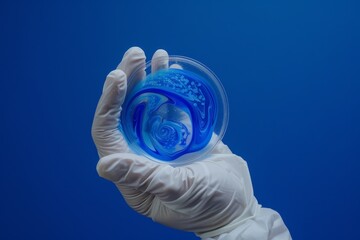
(168, 114)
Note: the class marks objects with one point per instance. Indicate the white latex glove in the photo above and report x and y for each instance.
(212, 198)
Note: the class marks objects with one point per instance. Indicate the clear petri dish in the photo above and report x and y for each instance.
(176, 114)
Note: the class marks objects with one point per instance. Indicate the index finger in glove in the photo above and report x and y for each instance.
(105, 132)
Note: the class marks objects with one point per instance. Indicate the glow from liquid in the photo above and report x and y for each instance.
(168, 114)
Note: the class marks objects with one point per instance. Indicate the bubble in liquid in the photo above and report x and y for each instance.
(168, 114)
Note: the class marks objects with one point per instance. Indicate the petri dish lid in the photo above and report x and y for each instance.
(176, 114)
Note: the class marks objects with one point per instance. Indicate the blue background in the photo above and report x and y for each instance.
(291, 70)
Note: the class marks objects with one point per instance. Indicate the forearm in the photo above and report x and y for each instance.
(266, 224)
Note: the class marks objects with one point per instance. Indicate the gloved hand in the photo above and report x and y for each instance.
(212, 198)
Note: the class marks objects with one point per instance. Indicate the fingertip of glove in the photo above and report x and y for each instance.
(135, 50)
(116, 74)
(134, 56)
(160, 60)
(100, 167)
(160, 53)
(117, 78)
(106, 167)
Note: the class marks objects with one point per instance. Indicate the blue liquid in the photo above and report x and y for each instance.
(170, 113)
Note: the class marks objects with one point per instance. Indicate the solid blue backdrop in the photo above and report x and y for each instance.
(291, 70)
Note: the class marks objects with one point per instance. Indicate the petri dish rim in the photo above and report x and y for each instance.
(198, 68)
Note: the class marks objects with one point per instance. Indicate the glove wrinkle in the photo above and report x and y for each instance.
(139, 201)
(248, 213)
(170, 183)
